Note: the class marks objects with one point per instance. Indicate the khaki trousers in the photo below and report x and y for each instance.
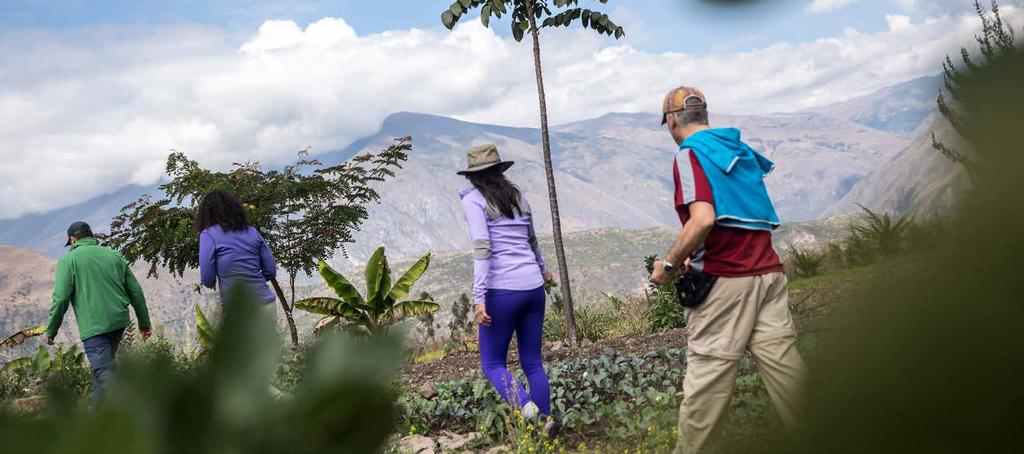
(739, 315)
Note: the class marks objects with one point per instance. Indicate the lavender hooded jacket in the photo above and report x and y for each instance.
(506, 255)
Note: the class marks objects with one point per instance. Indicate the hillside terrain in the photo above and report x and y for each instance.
(600, 261)
(613, 171)
(899, 109)
(918, 180)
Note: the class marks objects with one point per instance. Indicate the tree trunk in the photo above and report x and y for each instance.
(287, 311)
(556, 223)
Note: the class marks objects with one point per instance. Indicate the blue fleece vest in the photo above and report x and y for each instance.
(736, 174)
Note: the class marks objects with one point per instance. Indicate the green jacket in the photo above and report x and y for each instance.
(99, 284)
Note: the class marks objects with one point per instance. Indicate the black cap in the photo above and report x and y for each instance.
(78, 229)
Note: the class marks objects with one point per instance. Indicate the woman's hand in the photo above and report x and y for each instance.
(549, 278)
(481, 314)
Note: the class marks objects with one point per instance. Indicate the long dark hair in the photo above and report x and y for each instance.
(498, 191)
(220, 207)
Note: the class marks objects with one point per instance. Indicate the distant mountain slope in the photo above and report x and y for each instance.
(900, 109)
(47, 232)
(612, 171)
(918, 180)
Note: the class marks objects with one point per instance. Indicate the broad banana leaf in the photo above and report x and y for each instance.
(18, 363)
(203, 328)
(375, 271)
(329, 321)
(20, 337)
(329, 306)
(341, 286)
(407, 309)
(41, 361)
(404, 285)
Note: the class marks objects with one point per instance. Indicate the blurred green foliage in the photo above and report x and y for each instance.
(929, 363)
(160, 403)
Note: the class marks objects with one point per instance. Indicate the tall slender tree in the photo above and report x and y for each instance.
(524, 15)
(996, 39)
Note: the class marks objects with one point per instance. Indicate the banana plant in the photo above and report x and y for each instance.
(203, 329)
(379, 309)
(21, 336)
(42, 362)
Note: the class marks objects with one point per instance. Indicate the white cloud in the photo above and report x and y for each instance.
(827, 6)
(897, 22)
(946, 7)
(95, 109)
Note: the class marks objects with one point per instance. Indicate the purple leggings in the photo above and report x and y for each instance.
(521, 312)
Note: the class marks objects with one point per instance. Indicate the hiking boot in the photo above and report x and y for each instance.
(552, 427)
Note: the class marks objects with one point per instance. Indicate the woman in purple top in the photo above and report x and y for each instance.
(508, 281)
(231, 251)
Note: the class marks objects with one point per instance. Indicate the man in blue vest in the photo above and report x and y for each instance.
(726, 241)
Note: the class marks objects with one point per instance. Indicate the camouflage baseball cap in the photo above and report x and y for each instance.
(680, 99)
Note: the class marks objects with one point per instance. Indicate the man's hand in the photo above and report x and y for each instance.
(660, 276)
(49, 340)
(481, 314)
(549, 278)
(146, 332)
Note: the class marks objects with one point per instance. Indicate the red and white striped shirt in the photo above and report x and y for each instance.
(727, 251)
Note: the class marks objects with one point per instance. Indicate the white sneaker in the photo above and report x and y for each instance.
(531, 411)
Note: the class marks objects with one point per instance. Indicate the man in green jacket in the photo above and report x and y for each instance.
(98, 283)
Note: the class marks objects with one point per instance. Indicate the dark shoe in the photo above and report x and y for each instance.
(552, 428)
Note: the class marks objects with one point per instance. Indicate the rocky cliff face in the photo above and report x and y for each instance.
(918, 180)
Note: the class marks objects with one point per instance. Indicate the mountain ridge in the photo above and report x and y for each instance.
(612, 171)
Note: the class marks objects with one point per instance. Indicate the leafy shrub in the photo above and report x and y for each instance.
(885, 233)
(664, 310)
(593, 324)
(554, 326)
(805, 263)
(460, 325)
(752, 425)
(62, 371)
(630, 315)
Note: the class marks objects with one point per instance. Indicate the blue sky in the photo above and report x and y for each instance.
(693, 26)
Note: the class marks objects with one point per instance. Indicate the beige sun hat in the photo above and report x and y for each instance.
(484, 157)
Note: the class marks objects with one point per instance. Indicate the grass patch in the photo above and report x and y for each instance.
(429, 356)
(833, 278)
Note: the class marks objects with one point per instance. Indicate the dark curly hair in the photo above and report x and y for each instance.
(220, 207)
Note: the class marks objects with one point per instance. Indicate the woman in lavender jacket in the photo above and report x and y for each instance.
(508, 281)
(231, 251)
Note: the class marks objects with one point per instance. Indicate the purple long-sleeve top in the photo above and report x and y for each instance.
(238, 257)
(506, 255)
